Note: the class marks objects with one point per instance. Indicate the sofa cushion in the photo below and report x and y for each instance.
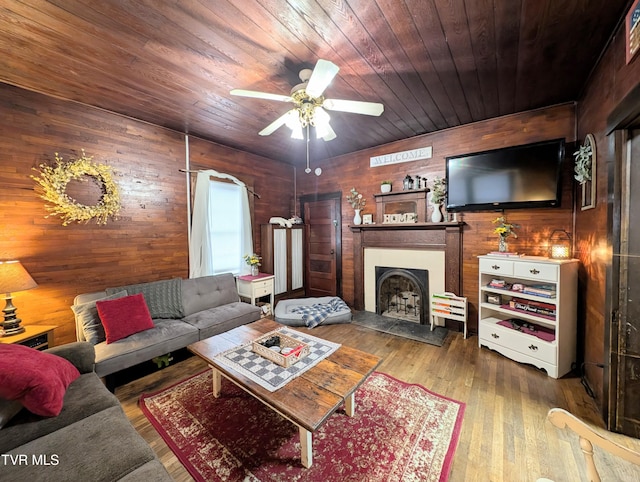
(166, 336)
(80, 353)
(164, 298)
(87, 316)
(8, 410)
(36, 379)
(199, 294)
(223, 318)
(123, 317)
(85, 396)
(103, 447)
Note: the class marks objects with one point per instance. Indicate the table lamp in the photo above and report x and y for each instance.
(13, 277)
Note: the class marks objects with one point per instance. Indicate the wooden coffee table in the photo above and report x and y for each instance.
(332, 382)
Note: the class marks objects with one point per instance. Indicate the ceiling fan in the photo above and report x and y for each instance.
(310, 105)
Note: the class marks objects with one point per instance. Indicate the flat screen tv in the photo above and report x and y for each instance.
(526, 176)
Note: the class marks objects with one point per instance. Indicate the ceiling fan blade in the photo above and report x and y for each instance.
(322, 75)
(354, 106)
(261, 95)
(330, 135)
(271, 128)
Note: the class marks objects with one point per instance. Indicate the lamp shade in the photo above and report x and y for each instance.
(13, 277)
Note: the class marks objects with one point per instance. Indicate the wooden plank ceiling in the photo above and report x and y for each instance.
(432, 63)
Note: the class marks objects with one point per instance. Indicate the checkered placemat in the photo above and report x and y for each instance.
(270, 375)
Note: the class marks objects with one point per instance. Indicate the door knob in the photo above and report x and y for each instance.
(332, 251)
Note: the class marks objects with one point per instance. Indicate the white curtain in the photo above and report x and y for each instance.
(203, 259)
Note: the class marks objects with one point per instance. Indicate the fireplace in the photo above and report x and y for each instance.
(435, 247)
(403, 293)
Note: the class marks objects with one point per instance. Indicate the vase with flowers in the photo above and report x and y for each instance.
(253, 260)
(438, 195)
(357, 202)
(504, 229)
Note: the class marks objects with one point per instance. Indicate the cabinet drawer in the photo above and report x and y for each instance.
(541, 271)
(520, 342)
(261, 292)
(262, 285)
(498, 266)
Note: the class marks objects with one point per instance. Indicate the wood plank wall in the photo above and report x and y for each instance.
(342, 173)
(148, 241)
(610, 82)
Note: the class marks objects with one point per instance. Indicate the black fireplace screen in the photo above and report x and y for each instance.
(403, 293)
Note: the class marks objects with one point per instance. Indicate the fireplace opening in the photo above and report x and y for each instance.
(403, 293)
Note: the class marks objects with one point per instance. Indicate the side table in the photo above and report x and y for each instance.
(34, 336)
(254, 287)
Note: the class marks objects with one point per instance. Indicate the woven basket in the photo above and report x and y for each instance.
(285, 342)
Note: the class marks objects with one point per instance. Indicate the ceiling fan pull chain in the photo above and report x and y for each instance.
(308, 169)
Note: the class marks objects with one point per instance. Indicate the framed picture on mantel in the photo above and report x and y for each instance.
(632, 31)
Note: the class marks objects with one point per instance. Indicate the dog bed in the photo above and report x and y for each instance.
(300, 311)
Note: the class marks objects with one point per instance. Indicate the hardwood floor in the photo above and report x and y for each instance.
(504, 436)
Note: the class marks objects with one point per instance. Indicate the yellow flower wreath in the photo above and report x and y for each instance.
(54, 180)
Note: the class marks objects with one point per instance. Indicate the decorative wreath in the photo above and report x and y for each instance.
(54, 180)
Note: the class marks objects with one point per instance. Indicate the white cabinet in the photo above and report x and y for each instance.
(527, 310)
(283, 255)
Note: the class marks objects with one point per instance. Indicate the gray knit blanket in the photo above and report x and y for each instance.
(164, 298)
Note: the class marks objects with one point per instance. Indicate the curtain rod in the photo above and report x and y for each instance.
(195, 171)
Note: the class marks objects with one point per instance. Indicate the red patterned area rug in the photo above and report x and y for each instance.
(400, 432)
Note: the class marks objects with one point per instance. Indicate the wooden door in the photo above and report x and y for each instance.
(323, 248)
(625, 327)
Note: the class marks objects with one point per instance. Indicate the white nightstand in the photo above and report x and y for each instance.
(254, 287)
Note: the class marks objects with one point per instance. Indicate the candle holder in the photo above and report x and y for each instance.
(560, 244)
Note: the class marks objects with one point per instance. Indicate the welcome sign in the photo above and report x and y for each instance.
(404, 156)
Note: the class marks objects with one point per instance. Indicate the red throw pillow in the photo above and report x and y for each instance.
(36, 379)
(124, 316)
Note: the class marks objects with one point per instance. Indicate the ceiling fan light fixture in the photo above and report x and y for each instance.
(320, 117)
(293, 123)
(296, 132)
(322, 131)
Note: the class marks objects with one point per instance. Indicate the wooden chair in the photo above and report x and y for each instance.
(588, 438)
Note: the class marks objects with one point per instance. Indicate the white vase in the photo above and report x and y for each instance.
(357, 219)
(254, 270)
(436, 215)
(385, 187)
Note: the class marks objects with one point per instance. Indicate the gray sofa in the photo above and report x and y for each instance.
(91, 439)
(183, 311)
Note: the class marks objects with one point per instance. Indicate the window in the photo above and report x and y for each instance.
(226, 226)
(220, 226)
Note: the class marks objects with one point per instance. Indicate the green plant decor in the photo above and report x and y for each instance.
(438, 190)
(582, 168)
